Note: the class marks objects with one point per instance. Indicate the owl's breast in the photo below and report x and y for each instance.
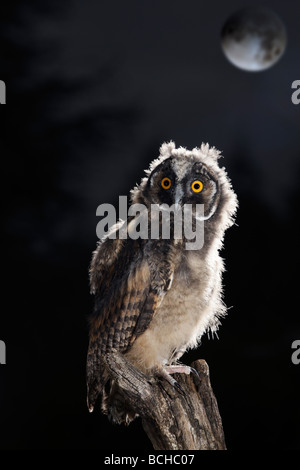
(184, 313)
(185, 309)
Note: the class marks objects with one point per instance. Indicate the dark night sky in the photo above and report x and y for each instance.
(93, 89)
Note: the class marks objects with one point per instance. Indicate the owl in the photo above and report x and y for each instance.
(154, 299)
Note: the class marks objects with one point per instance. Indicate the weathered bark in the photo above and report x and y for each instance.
(172, 421)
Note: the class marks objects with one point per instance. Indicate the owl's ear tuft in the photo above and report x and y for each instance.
(167, 148)
(211, 152)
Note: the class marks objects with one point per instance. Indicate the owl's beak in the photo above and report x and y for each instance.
(178, 197)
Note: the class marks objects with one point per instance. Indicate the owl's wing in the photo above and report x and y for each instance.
(128, 288)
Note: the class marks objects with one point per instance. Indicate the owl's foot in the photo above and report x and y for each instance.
(166, 371)
(162, 373)
(182, 369)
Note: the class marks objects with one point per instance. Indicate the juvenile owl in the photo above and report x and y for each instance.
(154, 298)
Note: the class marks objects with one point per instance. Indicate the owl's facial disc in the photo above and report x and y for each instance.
(179, 181)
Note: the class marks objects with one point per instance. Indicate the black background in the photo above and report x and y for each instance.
(93, 89)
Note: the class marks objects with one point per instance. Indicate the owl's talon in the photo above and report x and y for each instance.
(164, 373)
(179, 388)
(195, 373)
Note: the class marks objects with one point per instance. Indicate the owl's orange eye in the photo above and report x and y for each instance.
(197, 186)
(166, 183)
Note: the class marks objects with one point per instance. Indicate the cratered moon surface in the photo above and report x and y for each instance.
(254, 38)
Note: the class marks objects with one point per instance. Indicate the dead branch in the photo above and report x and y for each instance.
(171, 420)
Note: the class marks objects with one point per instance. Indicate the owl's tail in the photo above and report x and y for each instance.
(102, 389)
(96, 377)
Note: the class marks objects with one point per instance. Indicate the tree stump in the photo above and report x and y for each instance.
(172, 421)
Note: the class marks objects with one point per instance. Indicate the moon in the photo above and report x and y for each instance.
(254, 39)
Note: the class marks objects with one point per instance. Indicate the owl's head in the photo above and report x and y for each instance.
(180, 176)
